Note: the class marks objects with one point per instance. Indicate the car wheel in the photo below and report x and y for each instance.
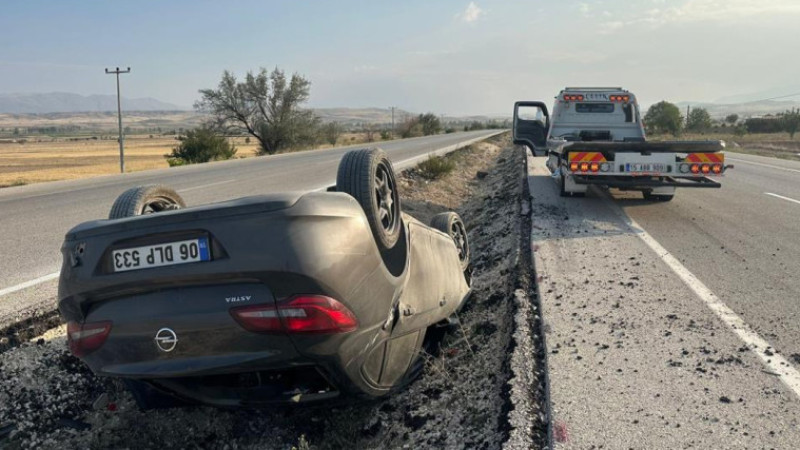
(368, 176)
(146, 200)
(452, 224)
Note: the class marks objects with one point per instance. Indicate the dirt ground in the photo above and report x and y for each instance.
(48, 399)
(37, 161)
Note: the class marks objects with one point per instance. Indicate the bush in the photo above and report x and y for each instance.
(435, 167)
(199, 146)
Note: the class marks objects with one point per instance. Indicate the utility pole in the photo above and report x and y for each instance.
(119, 119)
(392, 107)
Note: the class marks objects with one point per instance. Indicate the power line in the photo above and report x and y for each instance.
(775, 98)
(119, 118)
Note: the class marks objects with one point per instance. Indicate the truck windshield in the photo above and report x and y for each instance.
(594, 107)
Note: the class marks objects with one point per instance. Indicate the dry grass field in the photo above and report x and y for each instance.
(63, 159)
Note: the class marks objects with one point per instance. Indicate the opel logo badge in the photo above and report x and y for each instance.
(166, 340)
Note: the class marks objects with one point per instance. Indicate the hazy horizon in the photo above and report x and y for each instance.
(449, 57)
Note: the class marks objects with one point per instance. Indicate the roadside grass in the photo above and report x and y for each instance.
(436, 167)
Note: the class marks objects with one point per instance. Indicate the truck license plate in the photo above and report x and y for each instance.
(167, 254)
(645, 167)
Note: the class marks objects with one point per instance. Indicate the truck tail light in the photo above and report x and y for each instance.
(594, 167)
(619, 98)
(573, 167)
(716, 168)
(585, 167)
(84, 338)
(705, 168)
(302, 314)
(569, 98)
(695, 168)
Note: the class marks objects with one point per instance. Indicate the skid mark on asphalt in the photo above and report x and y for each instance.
(777, 364)
(782, 197)
(29, 283)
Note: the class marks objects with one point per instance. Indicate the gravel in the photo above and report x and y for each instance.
(483, 389)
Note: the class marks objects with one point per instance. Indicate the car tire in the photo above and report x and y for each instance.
(368, 176)
(657, 197)
(451, 224)
(147, 199)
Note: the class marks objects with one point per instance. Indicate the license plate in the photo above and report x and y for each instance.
(167, 254)
(645, 167)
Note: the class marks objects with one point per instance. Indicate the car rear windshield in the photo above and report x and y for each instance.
(594, 107)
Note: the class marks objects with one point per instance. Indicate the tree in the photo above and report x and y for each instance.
(16, 131)
(199, 146)
(331, 132)
(265, 106)
(732, 118)
(698, 120)
(410, 128)
(664, 117)
(430, 124)
(791, 121)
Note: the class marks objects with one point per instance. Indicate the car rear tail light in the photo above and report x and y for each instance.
(705, 168)
(716, 168)
(85, 338)
(313, 314)
(573, 167)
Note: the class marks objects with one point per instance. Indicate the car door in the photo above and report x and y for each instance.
(531, 124)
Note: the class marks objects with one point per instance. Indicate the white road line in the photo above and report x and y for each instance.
(206, 185)
(27, 284)
(776, 363)
(761, 164)
(782, 197)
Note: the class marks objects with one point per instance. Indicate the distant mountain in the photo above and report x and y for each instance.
(60, 102)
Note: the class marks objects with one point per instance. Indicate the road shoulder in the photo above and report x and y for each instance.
(636, 359)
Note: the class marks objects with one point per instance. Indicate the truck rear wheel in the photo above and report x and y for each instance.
(657, 197)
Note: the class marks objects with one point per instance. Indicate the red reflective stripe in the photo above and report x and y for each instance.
(598, 157)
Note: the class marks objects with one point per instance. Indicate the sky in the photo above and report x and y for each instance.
(448, 56)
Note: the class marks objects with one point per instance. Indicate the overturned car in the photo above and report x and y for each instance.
(286, 297)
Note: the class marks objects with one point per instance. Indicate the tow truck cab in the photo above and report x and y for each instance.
(596, 136)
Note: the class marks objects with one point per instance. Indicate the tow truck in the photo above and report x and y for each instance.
(596, 137)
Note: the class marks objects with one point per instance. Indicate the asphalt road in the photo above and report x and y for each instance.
(742, 241)
(644, 344)
(34, 218)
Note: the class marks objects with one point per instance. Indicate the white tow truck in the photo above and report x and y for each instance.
(596, 136)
